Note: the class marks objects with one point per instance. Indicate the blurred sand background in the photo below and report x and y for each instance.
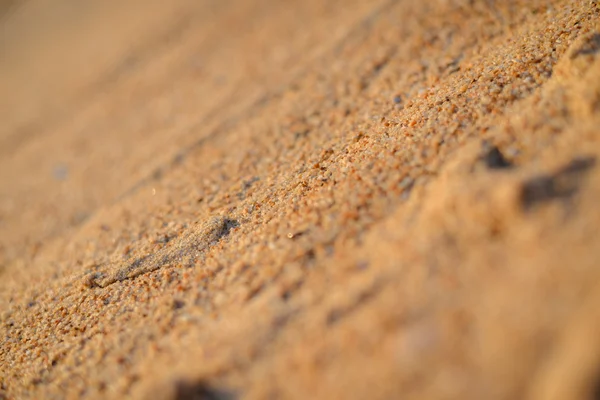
(299, 199)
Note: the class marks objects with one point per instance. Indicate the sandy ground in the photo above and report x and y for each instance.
(300, 199)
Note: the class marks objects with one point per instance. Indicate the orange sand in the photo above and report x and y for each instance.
(300, 199)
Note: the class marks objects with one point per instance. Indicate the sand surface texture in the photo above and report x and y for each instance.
(309, 199)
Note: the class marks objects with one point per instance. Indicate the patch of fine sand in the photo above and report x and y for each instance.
(300, 199)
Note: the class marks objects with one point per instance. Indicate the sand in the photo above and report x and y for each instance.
(304, 199)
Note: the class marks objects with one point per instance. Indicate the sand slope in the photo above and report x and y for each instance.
(259, 199)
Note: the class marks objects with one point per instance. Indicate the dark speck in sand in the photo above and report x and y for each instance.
(60, 172)
(201, 391)
(177, 304)
(493, 158)
(562, 184)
